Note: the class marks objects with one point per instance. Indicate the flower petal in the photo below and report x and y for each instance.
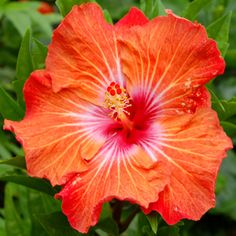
(194, 145)
(83, 53)
(112, 174)
(59, 130)
(169, 57)
(133, 18)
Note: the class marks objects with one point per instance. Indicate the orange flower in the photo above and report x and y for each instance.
(122, 112)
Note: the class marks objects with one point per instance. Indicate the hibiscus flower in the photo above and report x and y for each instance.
(121, 111)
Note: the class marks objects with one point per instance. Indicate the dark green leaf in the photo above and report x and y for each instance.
(144, 227)
(16, 162)
(34, 183)
(152, 8)
(9, 107)
(153, 220)
(66, 6)
(229, 128)
(219, 30)
(117, 8)
(109, 226)
(56, 224)
(24, 65)
(193, 9)
(169, 231)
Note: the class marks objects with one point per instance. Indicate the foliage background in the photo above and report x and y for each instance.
(27, 206)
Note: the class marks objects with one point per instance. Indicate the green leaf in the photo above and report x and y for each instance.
(229, 128)
(40, 23)
(39, 53)
(22, 6)
(56, 224)
(22, 205)
(109, 226)
(117, 8)
(193, 9)
(219, 30)
(225, 109)
(169, 231)
(153, 220)
(17, 218)
(16, 162)
(2, 2)
(107, 16)
(33, 183)
(152, 8)
(2, 227)
(40, 203)
(226, 198)
(66, 6)
(4, 153)
(144, 227)
(9, 107)
(24, 66)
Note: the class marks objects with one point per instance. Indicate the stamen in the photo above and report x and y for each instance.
(117, 100)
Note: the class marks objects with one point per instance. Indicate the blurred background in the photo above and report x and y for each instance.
(25, 30)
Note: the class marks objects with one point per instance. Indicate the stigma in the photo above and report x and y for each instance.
(117, 100)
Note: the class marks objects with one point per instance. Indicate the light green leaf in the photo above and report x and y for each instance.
(22, 6)
(20, 20)
(219, 30)
(40, 23)
(17, 218)
(107, 16)
(193, 9)
(153, 220)
(4, 152)
(2, 227)
(226, 198)
(225, 109)
(16, 162)
(53, 18)
(66, 6)
(9, 107)
(39, 53)
(152, 8)
(2, 2)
